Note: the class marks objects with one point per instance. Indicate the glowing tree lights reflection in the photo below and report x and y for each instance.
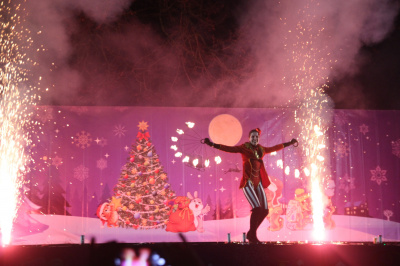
(15, 115)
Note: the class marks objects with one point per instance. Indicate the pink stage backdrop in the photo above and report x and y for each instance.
(115, 174)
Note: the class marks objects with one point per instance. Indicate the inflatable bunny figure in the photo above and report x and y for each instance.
(196, 205)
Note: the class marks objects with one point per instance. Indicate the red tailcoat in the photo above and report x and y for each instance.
(248, 152)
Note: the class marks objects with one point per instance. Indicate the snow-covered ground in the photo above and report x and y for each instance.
(69, 229)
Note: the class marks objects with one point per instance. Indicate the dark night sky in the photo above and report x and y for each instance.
(378, 77)
(205, 53)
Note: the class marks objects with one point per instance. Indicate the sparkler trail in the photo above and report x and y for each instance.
(310, 64)
(16, 100)
(313, 120)
(321, 40)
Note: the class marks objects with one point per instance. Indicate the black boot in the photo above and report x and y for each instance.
(263, 214)
(254, 224)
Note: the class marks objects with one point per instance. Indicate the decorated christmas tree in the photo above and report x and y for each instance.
(142, 193)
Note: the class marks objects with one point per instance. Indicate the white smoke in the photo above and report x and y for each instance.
(347, 26)
(337, 29)
(53, 23)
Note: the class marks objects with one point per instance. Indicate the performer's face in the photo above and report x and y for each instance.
(253, 138)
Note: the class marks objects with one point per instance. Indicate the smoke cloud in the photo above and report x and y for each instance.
(325, 37)
(100, 52)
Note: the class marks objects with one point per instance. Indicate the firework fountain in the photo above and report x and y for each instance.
(313, 120)
(310, 62)
(16, 101)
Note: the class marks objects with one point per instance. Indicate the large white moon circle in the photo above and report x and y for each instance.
(225, 129)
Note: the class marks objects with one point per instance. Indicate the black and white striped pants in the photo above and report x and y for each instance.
(256, 197)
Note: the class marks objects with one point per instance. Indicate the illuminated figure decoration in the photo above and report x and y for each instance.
(187, 146)
(274, 193)
(329, 223)
(299, 212)
(294, 215)
(328, 212)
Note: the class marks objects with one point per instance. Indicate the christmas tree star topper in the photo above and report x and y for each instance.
(143, 126)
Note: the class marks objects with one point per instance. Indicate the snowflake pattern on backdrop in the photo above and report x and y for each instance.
(347, 183)
(102, 142)
(378, 175)
(364, 129)
(57, 161)
(341, 148)
(102, 164)
(45, 114)
(396, 147)
(82, 140)
(81, 172)
(119, 131)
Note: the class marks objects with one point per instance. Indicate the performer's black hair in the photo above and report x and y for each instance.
(255, 130)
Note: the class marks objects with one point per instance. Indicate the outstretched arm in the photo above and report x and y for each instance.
(231, 149)
(280, 146)
(292, 142)
(210, 143)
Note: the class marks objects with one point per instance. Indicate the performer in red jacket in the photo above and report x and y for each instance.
(255, 177)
